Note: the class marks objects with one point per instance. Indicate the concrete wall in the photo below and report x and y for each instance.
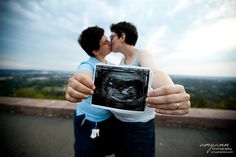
(197, 118)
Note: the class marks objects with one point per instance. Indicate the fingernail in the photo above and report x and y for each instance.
(91, 92)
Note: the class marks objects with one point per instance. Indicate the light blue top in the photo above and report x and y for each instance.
(148, 114)
(91, 113)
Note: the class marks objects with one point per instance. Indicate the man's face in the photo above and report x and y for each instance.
(105, 46)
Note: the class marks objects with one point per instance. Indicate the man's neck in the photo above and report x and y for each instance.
(101, 59)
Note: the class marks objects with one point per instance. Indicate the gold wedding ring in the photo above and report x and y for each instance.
(177, 106)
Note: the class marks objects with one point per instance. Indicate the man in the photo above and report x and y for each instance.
(135, 133)
(92, 126)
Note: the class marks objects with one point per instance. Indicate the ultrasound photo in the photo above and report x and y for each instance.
(121, 87)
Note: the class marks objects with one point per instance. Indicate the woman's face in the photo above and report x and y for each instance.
(114, 42)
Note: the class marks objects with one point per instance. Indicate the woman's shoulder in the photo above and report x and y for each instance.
(143, 53)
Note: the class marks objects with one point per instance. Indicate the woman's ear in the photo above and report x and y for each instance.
(123, 36)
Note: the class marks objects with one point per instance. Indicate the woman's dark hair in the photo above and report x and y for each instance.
(129, 29)
(89, 39)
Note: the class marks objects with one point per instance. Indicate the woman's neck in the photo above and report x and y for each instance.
(129, 52)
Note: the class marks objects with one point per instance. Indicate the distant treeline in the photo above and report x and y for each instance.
(33, 84)
(206, 92)
(210, 92)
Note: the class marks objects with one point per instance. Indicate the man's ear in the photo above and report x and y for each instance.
(95, 52)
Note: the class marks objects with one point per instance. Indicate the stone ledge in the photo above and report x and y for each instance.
(41, 107)
(198, 118)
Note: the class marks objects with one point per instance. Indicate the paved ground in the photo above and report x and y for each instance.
(34, 136)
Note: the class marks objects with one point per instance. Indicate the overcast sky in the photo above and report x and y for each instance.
(190, 37)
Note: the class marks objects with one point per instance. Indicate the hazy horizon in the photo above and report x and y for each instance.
(69, 71)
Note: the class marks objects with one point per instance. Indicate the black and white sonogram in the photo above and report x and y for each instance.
(121, 87)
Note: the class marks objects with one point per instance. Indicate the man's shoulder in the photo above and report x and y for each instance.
(86, 65)
(90, 61)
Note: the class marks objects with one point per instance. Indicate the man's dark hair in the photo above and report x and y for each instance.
(128, 28)
(89, 39)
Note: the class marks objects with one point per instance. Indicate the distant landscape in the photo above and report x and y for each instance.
(206, 92)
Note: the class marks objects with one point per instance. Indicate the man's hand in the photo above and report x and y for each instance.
(79, 87)
(169, 99)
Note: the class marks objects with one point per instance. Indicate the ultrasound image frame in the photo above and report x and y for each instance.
(121, 87)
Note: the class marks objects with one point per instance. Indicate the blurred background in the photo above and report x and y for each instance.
(192, 40)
